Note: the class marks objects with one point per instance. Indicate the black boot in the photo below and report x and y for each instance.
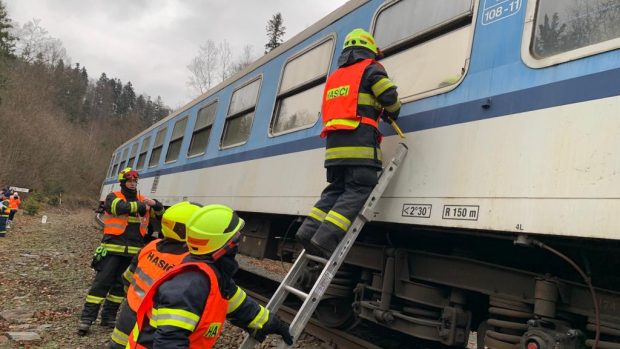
(83, 328)
(305, 234)
(89, 315)
(326, 241)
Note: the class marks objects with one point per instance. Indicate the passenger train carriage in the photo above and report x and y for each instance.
(507, 204)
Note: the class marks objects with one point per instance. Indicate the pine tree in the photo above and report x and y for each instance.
(127, 99)
(7, 41)
(275, 32)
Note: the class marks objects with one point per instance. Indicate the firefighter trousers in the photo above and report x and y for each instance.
(107, 288)
(340, 202)
(124, 325)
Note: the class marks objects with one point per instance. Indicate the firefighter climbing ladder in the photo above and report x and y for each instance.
(312, 299)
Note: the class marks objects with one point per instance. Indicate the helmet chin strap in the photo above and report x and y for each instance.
(229, 247)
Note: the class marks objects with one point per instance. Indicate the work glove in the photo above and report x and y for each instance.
(274, 326)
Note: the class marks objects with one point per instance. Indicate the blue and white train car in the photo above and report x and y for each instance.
(510, 190)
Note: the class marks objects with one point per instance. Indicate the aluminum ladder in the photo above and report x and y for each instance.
(312, 299)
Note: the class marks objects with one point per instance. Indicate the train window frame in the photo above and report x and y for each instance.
(123, 160)
(144, 149)
(430, 38)
(209, 127)
(300, 88)
(132, 155)
(116, 162)
(111, 166)
(527, 42)
(176, 139)
(238, 114)
(157, 146)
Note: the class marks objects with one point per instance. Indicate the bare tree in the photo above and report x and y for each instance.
(246, 58)
(215, 64)
(203, 67)
(225, 60)
(34, 43)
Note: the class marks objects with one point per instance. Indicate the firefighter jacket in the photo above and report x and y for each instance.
(153, 261)
(4, 208)
(125, 222)
(177, 303)
(356, 95)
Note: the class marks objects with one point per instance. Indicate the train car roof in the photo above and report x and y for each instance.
(303, 35)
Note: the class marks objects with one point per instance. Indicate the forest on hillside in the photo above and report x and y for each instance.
(59, 125)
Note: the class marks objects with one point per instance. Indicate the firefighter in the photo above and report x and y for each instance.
(186, 308)
(154, 260)
(4, 215)
(126, 219)
(356, 95)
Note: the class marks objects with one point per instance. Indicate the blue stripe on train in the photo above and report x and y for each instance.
(580, 89)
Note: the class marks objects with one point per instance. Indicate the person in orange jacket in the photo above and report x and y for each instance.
(153, 261)
(187, 306)
(355, 97)
(126, 221)
(14, 202)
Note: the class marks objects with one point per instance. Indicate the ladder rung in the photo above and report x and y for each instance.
(317, 259)
(296, 292)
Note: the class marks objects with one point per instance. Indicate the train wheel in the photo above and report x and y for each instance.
(336, 313)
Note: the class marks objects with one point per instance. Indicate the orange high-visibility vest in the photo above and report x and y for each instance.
(211, 321)
(14, 203)
(339, 109)
(152, 264)
(116, 225)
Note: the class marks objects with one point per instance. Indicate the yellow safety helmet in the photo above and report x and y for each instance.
(360, 38)
(212, 228)
(174, 219)
(127, 173)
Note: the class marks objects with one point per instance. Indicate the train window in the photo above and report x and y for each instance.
(174, 146)
(202, 130)
(123, 162)
(298, 104)
(111, 169)
(426, 44)
(115, 168)
(564, 30)
(132, 154)
(240, 115)
(143, 150)
(157, 147)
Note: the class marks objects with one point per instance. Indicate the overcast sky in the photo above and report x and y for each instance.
(151, 42)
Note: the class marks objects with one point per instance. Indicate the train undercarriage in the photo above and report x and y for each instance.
(515, 291)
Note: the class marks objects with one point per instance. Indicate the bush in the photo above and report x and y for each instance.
(32, 205)
(53, 200)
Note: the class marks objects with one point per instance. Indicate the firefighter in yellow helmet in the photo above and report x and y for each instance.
(126, 221)
(153, 261)
(173, 313)
(356, 95)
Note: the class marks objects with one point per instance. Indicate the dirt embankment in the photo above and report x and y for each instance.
(45, 276)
